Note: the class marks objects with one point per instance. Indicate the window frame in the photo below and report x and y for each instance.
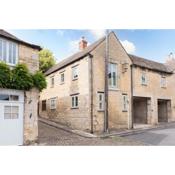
(124, 102)
(146, 79)
(10, 49)
(55, 102)
(164, 85)
(74, 103)
(52, 81)
(102, 101)
(75, 77)
(61, 82)
(112, 70)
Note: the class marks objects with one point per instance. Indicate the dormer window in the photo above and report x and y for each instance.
(8, 52)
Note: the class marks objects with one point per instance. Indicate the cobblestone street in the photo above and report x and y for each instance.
(49, 135)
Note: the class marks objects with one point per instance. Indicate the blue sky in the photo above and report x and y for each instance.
(151, 44)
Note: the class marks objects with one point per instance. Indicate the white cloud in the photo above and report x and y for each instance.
(129, 46)
(73, 46)
(60, 32)
(98, 33)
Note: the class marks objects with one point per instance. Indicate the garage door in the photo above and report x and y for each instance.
(11, 117)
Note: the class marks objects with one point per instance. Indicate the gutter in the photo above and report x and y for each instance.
(91, 90)
(132, 105)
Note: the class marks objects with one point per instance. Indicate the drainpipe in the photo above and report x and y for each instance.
(106, 83)
(132, 105)
(91, 90)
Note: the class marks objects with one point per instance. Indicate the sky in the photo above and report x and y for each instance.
(151, 44)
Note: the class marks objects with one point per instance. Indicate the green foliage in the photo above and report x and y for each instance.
(39, 81)
(46, 60)
(5, 75)
(21, 78)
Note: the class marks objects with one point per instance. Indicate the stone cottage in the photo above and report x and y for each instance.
(18, 109)
(140, 91)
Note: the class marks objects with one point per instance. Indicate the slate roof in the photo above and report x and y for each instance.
(75, 57)
(149, 64)
(9, 36)
(138, 61)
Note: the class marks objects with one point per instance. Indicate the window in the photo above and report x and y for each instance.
(125, 102)
(75, 73)
(43, 105)
(100, 101)
(52, 82)
(62, 78)
(112, 75)
(8, 52)
(53, 103)
(163, 81)
(11, 112)
(143, 78)
(6, 97)
(75, 101)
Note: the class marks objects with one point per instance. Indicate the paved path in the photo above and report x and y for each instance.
(162, 137)
(49, 135)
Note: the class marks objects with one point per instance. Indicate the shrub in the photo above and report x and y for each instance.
(39, 81)
(5, 75)
(21, 78)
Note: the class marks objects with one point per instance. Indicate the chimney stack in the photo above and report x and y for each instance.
(82, 43)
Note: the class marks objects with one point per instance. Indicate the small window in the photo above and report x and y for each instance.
(52, 82)
(14, 97)
(75, 101)
(100, 101)
(4, 97)
(43, 105)
(163, 81)
(62, 78)
(75, 73)
(11, 112)
(125, 102)
(112, 75)
(143, 78)
(53, 103)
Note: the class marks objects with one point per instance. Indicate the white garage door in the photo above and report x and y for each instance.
(11, 117)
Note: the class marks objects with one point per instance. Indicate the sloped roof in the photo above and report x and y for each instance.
(9, 36)
(75, 57)
(149, 64)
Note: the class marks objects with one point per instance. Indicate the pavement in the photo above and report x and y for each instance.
(160, 136)
(52, 136)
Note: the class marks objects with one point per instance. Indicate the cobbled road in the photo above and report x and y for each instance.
(49, 135)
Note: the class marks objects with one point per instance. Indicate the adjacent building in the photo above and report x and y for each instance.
(140, 91)
(18, 109)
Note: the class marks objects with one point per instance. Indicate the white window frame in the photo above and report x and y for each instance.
(124, 102)
(100, 101)
(144, 74)
(113, 68)
(52, 81)
(74, 103)
(163, 82)
(10, 58)
(75, 73)
(53, 102)
(62, 81)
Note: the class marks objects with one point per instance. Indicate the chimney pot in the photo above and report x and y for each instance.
(82, 43)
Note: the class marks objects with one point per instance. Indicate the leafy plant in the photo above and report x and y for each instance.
(21, 78)
(39, 81)
(46, 60)
(5, 75)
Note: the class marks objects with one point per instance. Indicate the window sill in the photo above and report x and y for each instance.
(62, 83)
(74, 79)
(144, 84)
(163, 87)
(124, 110)
(113, 89)
(100, 110)
(75, 108)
